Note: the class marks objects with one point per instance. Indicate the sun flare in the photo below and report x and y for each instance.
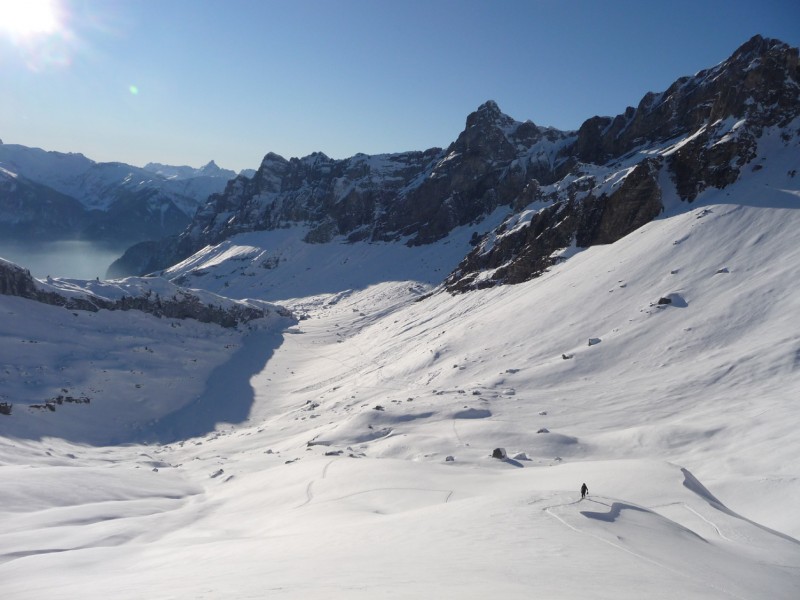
(26, 18)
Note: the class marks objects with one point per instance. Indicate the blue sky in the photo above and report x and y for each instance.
(184, 82)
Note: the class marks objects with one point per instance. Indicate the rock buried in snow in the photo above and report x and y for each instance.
(594, 341)
(450, 459)
(499, 453)
(672, 299)
(543, 430)
(567, 356)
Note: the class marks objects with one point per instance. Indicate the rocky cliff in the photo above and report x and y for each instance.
(700, 132)
(562, 189)
(156, 297)
(417, 197)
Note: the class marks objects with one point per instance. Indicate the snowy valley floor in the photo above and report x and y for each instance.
(331, 478)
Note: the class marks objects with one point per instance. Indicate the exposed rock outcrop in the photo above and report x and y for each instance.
(699, 134)
(417, 196)
(562, 189)
(179, 304)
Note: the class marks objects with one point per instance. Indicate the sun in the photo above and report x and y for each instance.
(28, 18)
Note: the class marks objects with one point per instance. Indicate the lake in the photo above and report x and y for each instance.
(63, 258)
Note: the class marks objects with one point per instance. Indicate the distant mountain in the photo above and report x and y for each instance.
(52, 195)
(561, 189)
(210, 169)
(30, 210)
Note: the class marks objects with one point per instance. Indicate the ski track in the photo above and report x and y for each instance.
(448, 493)
(693, 511)
(660, 565)
(310, 486)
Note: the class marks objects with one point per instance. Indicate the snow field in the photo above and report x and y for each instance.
(314, 463)
(333, 526)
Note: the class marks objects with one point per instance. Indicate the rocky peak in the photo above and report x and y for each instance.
(759, 81)
(486, 135)
(271, 158)
(210, 168)
(488, 115)
(701, 131)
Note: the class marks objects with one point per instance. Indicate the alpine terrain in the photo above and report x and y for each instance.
(389, 376)
(52, 195)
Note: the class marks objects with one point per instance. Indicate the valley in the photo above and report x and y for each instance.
(390, 375)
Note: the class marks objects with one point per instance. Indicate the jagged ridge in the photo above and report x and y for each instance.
(581, 188)
(176, 303)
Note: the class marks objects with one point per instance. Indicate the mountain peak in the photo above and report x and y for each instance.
(759, 45)
(488, 113)
(210, 168)
(491, 107)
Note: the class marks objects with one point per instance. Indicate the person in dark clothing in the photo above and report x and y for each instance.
(584, 491)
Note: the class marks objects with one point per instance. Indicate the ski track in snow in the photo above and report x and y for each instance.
(621, 548)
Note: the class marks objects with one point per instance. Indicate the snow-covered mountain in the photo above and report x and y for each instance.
(52, 195)
(347, 451)
(580, 188)
(210, 169)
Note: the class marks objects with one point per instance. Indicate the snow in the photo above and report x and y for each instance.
(310, 459)
(96, 184)
(277, 265)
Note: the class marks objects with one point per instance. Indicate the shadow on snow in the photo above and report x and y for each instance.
(228, 396)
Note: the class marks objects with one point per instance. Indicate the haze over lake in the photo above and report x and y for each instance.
(74, 259)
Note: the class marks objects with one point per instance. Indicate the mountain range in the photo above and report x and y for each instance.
(388, 376)
(47, 196)
(585, 187)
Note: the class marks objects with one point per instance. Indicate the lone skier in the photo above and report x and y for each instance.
(584, 491)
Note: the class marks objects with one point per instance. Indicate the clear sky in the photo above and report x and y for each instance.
(187, 81)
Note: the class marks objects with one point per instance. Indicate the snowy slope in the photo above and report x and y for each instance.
(348, 454)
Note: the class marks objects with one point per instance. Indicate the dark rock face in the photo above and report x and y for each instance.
(525, 251)
(420, 195)
(700, 133)
(636, 202)
(16, 281)
(755, 82)
(562, 189)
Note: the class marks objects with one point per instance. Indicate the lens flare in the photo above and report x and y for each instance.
(133, 90)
